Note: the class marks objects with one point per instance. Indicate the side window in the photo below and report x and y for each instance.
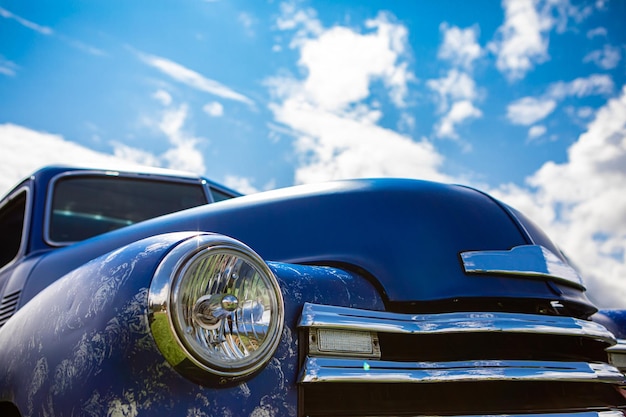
(12, 215)
(219, 195)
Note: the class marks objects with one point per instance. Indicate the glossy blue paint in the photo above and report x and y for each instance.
(614, 320)
(80, 343)
(83, 346)
(406, 234)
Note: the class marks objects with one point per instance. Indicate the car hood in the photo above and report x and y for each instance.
(406, 235)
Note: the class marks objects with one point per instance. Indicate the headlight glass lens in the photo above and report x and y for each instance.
(224, 306)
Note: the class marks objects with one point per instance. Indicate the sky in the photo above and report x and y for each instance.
(524, 99)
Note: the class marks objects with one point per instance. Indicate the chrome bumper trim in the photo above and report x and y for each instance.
(332, 317)
(620, 347)
(317, 370)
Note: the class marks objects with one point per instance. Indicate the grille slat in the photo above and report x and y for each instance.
(465, 363)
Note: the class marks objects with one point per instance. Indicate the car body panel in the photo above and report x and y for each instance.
(77, 339)
(67, 350)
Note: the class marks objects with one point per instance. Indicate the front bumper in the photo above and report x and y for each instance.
(458, 364)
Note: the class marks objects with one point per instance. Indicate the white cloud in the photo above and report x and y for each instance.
(213, 109)
(522, 39)
(582, 202)
(459, 45)
(456, 85)
(44, 30)
(183, 153)
(139, 156)
(456, 91)
(47, 31)
(192, 78)
(456, 94)
(328, 112)
(163, 97)
(599, 31)
(332, 146)
(536, 131)
(529, 110)
(459, 112)
(342, 63)
(241, 184)
(304, 21)
(7, 67)
(606, 58)
(25, 150)
(594, 84)
(247, 21)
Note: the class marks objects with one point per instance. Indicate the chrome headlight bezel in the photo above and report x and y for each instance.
(191, 343)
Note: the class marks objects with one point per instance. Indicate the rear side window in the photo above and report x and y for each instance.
(86, 206)
(219, 195)
(12, 216)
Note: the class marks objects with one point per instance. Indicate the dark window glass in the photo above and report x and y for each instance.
(86, 206)
(220, 195)
(11, 227)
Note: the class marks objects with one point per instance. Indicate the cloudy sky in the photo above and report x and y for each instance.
(525, 99)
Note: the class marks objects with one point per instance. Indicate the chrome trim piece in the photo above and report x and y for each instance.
(526, 260)
(112, 173)
(620, 347)
(332, 317)
(359, 371)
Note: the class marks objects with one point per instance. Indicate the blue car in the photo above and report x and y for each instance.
(159, 293)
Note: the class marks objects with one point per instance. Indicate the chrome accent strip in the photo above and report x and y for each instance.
(526, 260)
(332, 317)
(359, 371)
(620, 347)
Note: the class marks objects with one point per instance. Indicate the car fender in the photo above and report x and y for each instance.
(84, 346)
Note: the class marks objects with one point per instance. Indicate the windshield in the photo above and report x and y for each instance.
(86, 206)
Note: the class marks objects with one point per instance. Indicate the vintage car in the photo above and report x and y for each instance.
(164, 294)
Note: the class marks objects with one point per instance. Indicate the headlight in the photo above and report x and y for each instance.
(215, 307)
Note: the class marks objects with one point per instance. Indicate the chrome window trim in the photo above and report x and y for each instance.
(523, 261)
(322, 370)
(26, 188)
(332, 317)
(110, 173)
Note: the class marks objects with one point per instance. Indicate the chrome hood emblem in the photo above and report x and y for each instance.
(527, 260)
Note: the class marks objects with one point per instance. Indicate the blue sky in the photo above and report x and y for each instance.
(525, 99)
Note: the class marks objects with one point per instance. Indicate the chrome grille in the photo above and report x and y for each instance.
(460, 364)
